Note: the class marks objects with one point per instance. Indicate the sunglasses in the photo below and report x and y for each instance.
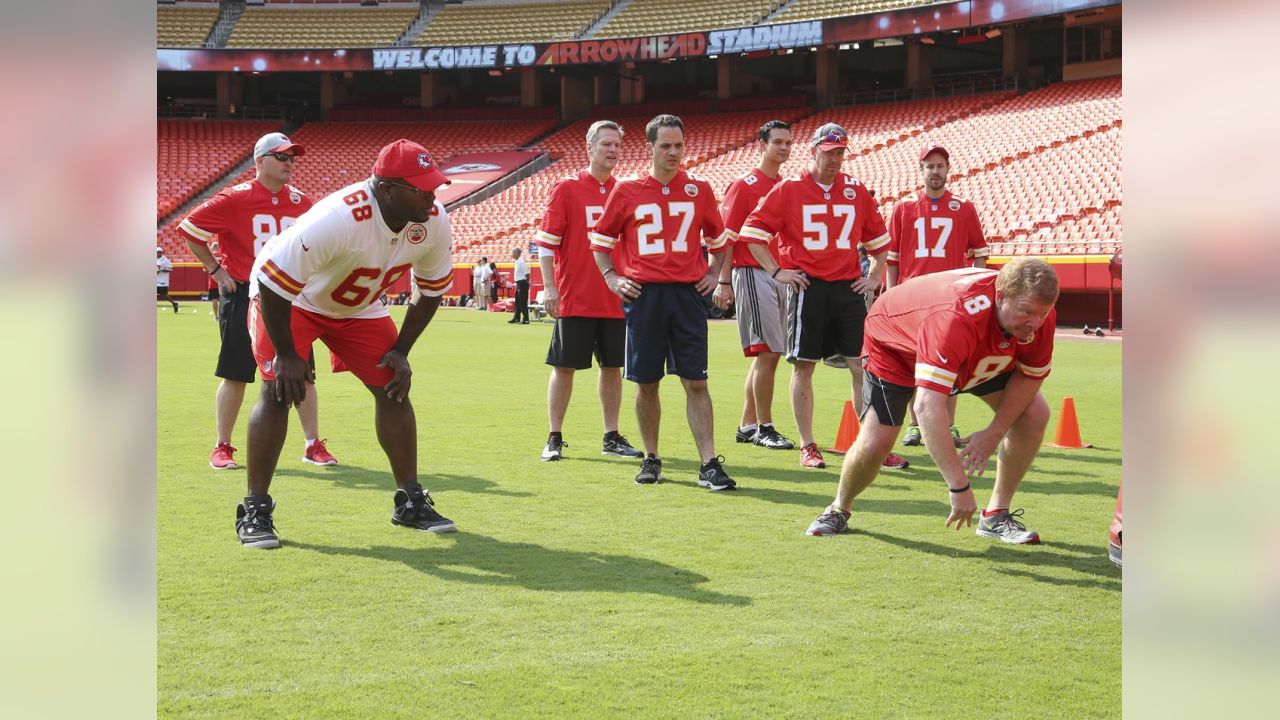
(415, 190)
(282, 157)
(832, 137)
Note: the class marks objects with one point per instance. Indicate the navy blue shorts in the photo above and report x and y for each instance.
(667, 323)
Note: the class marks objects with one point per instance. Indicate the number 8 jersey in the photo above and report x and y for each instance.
(340, 256)
(939, 331)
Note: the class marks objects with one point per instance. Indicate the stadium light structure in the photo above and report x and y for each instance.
(928, 41)
(994, 33)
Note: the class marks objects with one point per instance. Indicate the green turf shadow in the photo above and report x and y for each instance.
(534, 567)
(354, 476)
(1095, 564)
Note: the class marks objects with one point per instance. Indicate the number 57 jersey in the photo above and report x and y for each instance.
(940, 332)
(340, 256)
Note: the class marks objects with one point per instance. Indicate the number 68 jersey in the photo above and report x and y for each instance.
(340, 256)
(939, 331)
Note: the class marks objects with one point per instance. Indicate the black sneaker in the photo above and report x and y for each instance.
(746, 436)
(615, 444)
(253, 522)
(650, 470)
(415, 509)
(553, 450)
(769, 437)
(713, 477)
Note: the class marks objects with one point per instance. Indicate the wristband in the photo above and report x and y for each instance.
(959, 490)
(721, 282)
(775, 273)
(606, 272)
(215, 269)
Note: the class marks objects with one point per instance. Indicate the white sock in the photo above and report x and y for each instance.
(748, 428)
(310, 442)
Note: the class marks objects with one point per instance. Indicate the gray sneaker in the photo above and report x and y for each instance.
(913, 438)
(831, 522)
(713, 477)
(650, 470)
(1008, 528)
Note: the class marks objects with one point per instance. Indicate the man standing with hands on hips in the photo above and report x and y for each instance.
(821, 217)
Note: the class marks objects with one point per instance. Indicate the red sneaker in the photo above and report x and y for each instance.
(895, 462)
(811, 457)
(318, 454)
(221, 457)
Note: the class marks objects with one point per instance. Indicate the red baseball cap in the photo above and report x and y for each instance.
(276, 142)
(935, 149)
(407, 160)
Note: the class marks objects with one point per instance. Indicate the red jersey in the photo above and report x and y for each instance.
(654, 229)
(740, 199)
(244, 217)
(928, 236)
(939, 331)
(577, 202)
(817, 229)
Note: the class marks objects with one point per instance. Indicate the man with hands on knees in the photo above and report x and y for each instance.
(975, 331)
(321, 279)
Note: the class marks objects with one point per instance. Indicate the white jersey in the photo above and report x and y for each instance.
(340, 256)
(163, 267)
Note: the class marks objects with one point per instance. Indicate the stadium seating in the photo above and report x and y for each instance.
(340, 153)
(185, 26)
(1043, 168)
(303, 27)
(469, 24)
(656, 17)
(817, 9)
(193, 153)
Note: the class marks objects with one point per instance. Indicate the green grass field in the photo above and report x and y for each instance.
(569, 591)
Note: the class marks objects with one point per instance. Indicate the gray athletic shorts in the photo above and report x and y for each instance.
(761, 307)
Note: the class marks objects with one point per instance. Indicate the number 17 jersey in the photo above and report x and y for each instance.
(340, 256)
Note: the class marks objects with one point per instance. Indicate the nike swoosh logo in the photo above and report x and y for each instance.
(944, 360)
(304, 246)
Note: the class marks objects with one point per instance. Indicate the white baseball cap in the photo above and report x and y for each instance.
(276, 142)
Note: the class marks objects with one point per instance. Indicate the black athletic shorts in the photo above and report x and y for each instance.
(235, 358)
(667, 325)
(890, 401)
(823, 320)
(575, 339)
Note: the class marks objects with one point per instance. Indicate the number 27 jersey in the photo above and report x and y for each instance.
(340, 257)
(939, 331)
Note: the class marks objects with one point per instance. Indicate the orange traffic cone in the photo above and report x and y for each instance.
(848, 431)
(1068, 433)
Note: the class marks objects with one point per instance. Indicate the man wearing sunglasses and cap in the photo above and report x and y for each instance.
(244, 217)
(321, 280)
(820, 218)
